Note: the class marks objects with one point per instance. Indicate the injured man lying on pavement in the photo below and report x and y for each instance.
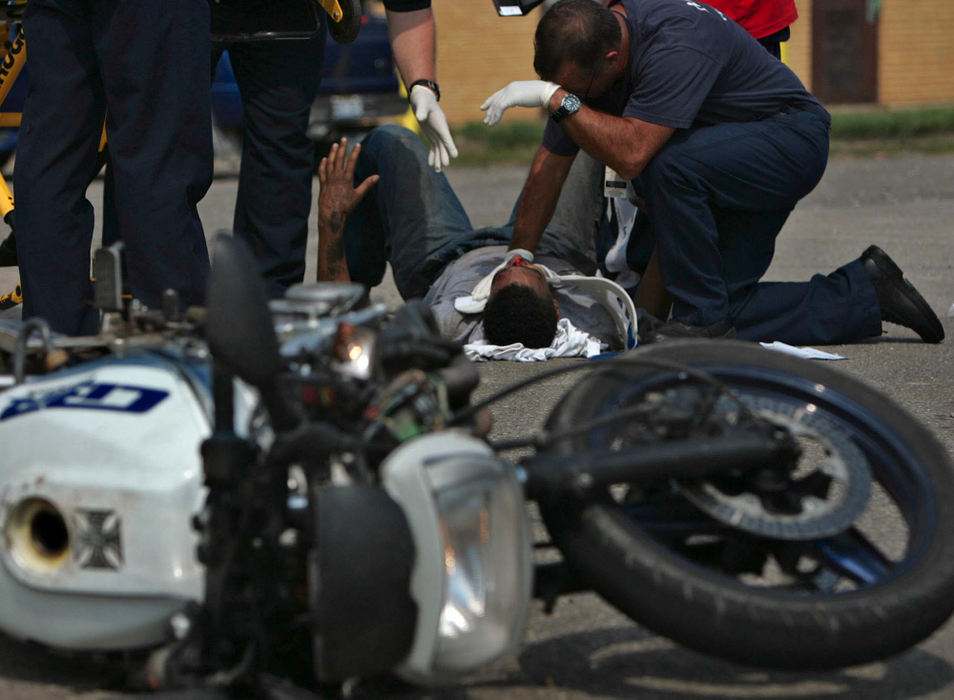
(551, 305)
(385, 205)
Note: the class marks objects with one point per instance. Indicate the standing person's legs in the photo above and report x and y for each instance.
(155, 59)
(762, 168)
(278, 81)
(773, 42)
(56, 160)
(411, 217)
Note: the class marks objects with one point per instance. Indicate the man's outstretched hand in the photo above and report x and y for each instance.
(337, 196)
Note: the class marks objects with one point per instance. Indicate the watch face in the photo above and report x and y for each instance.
(570, 103)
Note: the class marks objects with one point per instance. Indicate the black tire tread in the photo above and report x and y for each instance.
(758, 627)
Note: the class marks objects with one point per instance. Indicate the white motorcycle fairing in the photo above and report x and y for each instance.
(112, 450)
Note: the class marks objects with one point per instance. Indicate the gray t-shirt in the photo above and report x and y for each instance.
(459, 278)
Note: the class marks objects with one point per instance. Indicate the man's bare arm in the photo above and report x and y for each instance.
(626, 144)
(539, 197)
(332, 265)
(337, 198)
(414, 44)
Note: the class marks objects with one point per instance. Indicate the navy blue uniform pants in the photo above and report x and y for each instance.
(143, 65)
(716, 197)
(278, 81)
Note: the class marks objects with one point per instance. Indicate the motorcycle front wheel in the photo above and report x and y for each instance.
(850, 560)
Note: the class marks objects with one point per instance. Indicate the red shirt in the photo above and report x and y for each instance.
(758, 17)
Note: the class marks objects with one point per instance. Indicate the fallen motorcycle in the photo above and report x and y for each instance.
(306, 491)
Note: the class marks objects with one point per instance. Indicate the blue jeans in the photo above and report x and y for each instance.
(144, 67)
(413, 219)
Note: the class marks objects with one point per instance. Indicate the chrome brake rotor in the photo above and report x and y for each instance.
(826, 451)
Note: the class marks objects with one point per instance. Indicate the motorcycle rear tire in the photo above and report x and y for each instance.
(715, 613)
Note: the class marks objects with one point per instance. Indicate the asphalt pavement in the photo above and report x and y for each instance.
(586, 649)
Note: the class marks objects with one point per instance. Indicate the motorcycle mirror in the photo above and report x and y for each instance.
(515, 8)
(238, 324)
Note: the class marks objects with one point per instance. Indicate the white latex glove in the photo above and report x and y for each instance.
(434, 125)
(521, 93)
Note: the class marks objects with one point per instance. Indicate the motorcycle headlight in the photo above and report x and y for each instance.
(353, 349)
(472, 575)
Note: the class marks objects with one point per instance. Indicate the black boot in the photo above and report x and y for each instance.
(676, 330)
(900, 302)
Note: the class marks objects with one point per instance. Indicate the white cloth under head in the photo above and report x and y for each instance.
(569, 341)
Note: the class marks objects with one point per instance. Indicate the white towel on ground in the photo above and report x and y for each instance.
(569, 341)
(610, 295)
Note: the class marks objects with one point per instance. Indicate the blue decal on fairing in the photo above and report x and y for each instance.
(97, 396)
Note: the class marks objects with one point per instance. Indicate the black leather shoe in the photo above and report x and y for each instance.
(676, 330)
(900, 301)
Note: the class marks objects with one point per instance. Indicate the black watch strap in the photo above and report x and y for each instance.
(570, 104)
(429, 84)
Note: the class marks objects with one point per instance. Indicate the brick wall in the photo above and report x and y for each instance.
(798, 50)
(916, 47)
(478, 53)
(915, 51)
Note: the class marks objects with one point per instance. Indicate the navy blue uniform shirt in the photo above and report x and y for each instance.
(690, 65)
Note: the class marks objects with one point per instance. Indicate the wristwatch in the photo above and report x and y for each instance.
(429, 84)
(570, 104)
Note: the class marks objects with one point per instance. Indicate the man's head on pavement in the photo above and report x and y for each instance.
(577, 45)
(520, 308)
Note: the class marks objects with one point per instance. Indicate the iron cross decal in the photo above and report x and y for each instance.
(98, 539)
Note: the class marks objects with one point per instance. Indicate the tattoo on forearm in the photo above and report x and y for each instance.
(332, 264)
(335, 262)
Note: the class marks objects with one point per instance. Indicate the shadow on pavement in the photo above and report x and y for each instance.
(31, 663)
(626, 663)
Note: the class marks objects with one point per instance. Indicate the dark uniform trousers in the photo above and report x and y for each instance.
(716, 197)
(144, 66)
(278, 81)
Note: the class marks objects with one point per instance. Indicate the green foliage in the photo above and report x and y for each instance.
(855, 131)
(509, 142)
(505, 135)
(892, 124)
